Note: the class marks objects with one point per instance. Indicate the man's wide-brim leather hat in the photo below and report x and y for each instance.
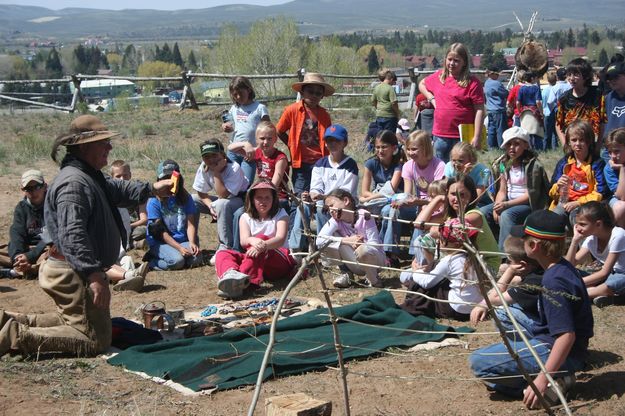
(87, 129)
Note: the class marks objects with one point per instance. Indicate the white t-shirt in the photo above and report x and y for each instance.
(616, 244)
(233, 177)
(267, 227)
(462, 288)
(516, 182)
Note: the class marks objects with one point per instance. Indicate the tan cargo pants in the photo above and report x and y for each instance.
(78, 328)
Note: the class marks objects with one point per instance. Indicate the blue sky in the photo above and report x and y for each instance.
(136, 4)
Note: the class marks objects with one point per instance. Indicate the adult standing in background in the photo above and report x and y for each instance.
(86, 229)
(458, 98)
(496, 95)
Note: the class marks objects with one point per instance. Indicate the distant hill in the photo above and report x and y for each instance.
(312, 16)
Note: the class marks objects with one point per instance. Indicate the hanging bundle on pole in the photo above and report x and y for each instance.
(532, 56)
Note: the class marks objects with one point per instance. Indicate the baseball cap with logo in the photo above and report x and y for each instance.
(211, 146)
(615, 70)
(337, 132)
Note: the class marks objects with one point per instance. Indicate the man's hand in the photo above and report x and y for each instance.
(98, 283)
(21, 263)
(162, 188)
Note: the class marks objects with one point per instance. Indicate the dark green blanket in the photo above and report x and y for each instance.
(303, 343)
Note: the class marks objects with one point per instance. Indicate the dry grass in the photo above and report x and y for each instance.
(88, 386)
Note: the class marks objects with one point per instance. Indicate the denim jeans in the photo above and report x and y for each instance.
(510, 217)
(390, 231)
(225, 209)
(490, 363)
(387, 123)
(551, 138)
(301, 178)
(537, 142)
(497, 124)
(527, 323)
(249, 168)
(166, 257)
(297, 241)
(442, 147)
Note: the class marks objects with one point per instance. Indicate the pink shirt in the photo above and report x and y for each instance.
(421, 178)
(454, 104)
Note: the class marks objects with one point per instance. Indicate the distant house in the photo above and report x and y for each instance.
(215, 90)
(104, 88)
(422, 62)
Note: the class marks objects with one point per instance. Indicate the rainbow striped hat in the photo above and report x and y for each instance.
(543, 224)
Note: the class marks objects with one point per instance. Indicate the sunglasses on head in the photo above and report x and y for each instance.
(32, 188)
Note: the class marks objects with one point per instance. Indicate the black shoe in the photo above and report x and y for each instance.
(603, 301)
(7, 273)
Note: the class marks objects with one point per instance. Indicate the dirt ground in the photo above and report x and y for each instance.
(392, 383)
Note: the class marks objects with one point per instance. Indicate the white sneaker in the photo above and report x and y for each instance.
(232, 283)
(136, 281)
(343, 280)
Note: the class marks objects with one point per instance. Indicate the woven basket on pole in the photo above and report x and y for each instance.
(532, 56)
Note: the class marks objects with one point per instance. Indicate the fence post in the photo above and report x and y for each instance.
(77, 93)
(187, 92)
(414, 81)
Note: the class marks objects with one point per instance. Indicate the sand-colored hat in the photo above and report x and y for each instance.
(87, 129)
(313, 78)
(32, 175)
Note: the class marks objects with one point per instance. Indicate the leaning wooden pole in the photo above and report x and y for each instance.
(485, 278)
(338, 346)
(272, 331)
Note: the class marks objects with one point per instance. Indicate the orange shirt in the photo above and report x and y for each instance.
(292, 121)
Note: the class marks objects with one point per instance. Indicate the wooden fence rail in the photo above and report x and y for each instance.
(186, 78)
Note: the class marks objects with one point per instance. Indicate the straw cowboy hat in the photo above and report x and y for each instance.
(86, 129)
(313, 78)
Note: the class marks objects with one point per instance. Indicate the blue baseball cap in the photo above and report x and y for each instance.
(337, 132)
(166, 168)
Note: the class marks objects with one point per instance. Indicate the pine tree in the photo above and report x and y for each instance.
(192, 62)
(570, 38)
(373, 64)
(81, 61)
(603, 58)
(54, 68)
(166, 55)
(176, 57)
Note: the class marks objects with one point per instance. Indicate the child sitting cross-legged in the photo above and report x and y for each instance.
(596, 231)
(565, 318)
(452, 278)
(263, 229)
(337, 170)
(347, 235)
(520, 286)
(172, 233)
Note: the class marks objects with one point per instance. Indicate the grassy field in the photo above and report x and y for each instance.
(393, 382)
